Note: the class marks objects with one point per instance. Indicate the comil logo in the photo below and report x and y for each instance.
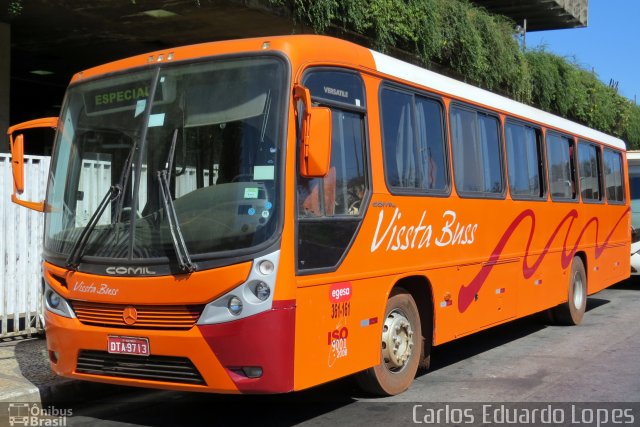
(340, 292)
(130, 271)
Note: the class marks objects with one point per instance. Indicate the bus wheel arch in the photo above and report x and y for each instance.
(572, 311)
(420, 289)
(408, 308)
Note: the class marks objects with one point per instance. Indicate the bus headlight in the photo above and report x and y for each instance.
(262, 291)
(234, 305)
(253, 296)
(55, 303)
(266, 267)
(53, 299)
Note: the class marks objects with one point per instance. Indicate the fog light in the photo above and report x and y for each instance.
(266, 267)
(262, 291)
(252, 371)
(53, 299)
(235, 305)
(53, 356)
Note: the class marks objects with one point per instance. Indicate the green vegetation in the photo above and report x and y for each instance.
(14, 8)
(481, 49)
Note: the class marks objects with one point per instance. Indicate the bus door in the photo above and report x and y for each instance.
(330, 209)
(329, 213)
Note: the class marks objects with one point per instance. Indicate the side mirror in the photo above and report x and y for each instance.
(17, 163)
(17, 158)
(315, 138)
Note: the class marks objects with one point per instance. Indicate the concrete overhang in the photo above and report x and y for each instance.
(541, 14)
(66, 36)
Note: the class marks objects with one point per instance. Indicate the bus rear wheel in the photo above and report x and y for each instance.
(571, 312)
(400, 348)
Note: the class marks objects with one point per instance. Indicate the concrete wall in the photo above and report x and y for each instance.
(5, 73)
(578, 8)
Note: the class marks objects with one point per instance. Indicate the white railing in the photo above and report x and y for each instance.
(21, 232)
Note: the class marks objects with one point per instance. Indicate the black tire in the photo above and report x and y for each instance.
(571, 312)
(398, 368)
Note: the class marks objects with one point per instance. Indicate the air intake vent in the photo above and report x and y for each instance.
(166, 317)
(151, 368)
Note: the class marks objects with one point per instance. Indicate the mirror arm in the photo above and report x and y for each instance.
(46, 122)
(17, 159)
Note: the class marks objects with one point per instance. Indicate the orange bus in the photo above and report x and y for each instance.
(266, 215)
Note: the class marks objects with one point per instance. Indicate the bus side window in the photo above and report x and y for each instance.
(475, 143)
(413, 140)
(589, 161)
(342, 190)
(613, 176)
(524, 159)
(560, 153)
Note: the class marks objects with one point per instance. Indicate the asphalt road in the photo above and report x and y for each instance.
(524, 361)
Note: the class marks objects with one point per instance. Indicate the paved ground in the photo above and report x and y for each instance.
(25, 376)
(524, 361)
(21, 358)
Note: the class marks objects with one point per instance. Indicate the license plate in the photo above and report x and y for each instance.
(128, 345)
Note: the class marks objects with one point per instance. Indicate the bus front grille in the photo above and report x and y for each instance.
(151, 368)
(167, 317)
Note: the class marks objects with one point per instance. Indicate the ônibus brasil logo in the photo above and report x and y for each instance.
(32, 414)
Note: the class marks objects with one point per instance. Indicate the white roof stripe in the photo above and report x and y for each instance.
(403, 70)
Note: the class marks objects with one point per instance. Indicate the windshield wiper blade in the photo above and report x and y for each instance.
(182, 253)
(73, 260)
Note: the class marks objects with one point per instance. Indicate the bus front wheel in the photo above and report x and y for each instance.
(571, 312)
(400, 348)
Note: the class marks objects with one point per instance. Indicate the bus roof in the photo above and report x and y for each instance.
(405, 71)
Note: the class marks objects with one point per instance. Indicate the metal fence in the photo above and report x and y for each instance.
(21, 232)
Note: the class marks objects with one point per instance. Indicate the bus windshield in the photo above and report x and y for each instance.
(185, 152)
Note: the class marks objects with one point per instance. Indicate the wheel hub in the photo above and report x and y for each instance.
(397, 341)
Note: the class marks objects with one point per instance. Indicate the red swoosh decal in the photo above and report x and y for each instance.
(467, 293)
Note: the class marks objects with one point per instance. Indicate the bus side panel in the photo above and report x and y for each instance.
(606, 244)
(338, 329)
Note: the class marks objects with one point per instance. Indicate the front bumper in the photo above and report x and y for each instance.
(208, 358)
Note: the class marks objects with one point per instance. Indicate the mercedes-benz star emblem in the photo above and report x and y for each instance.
(130, 315)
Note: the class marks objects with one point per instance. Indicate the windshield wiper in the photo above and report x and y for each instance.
(182, 253)
(73, 260)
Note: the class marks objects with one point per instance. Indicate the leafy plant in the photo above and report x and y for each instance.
(14, 8)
